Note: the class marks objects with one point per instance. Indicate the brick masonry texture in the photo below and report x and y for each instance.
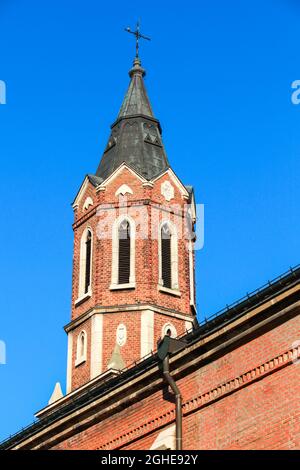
(146, 250)
(81, 373)
(247, 399)
(154, 209)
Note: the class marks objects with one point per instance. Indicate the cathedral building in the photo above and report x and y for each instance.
(142, 373)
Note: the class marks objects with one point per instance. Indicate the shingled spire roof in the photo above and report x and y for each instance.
(136, 100)
(136, 134)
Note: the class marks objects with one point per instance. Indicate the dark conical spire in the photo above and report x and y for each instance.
(136, 135)
(136, 100)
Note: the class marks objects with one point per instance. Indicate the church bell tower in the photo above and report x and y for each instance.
(133, 263)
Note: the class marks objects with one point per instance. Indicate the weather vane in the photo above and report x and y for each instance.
(138, 36)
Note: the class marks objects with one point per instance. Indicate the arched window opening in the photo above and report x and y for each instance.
(88, 251)
(85, 266)
(124, 253)
(166, 256)
(169, 330)
(82, 344)
(81, 348)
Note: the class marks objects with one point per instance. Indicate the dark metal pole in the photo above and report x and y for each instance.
(178, 397)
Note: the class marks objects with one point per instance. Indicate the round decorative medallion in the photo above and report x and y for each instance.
(167, 190)
(121, 334)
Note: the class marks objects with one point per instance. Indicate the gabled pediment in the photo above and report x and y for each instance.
(118, 172)
(176, 181)
(94, 180)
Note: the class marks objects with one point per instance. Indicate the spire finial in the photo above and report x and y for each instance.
(138, 36)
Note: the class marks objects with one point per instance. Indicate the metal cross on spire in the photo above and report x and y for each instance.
(138, 36)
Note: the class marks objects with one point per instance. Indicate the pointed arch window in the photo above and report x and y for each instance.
(166, 254)
(82, 345)
(81, 349)
(123, 253)
(88, 262)
(168, 258)
(85, 271)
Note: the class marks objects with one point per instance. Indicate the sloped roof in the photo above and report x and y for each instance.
(136, 100)
(135, 136)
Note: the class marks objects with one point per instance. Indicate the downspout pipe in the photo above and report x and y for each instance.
(178, 398)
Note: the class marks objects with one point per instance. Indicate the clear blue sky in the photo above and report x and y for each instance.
(219, 78)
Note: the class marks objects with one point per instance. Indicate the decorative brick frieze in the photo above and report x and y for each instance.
(197, 402)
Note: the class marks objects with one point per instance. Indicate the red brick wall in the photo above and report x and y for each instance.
(256, 408)
(131, 350)
(81, 373)
(89, 303)
(264, 415)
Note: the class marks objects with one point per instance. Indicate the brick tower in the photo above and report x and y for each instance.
(133, 264)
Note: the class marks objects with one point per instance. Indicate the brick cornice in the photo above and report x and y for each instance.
(248, 377)
(127, 308)
(132, 203)
(144, 428)
(84, 218)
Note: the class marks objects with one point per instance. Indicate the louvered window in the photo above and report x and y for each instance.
(166, 270)
(124, 253)
(88, 249)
